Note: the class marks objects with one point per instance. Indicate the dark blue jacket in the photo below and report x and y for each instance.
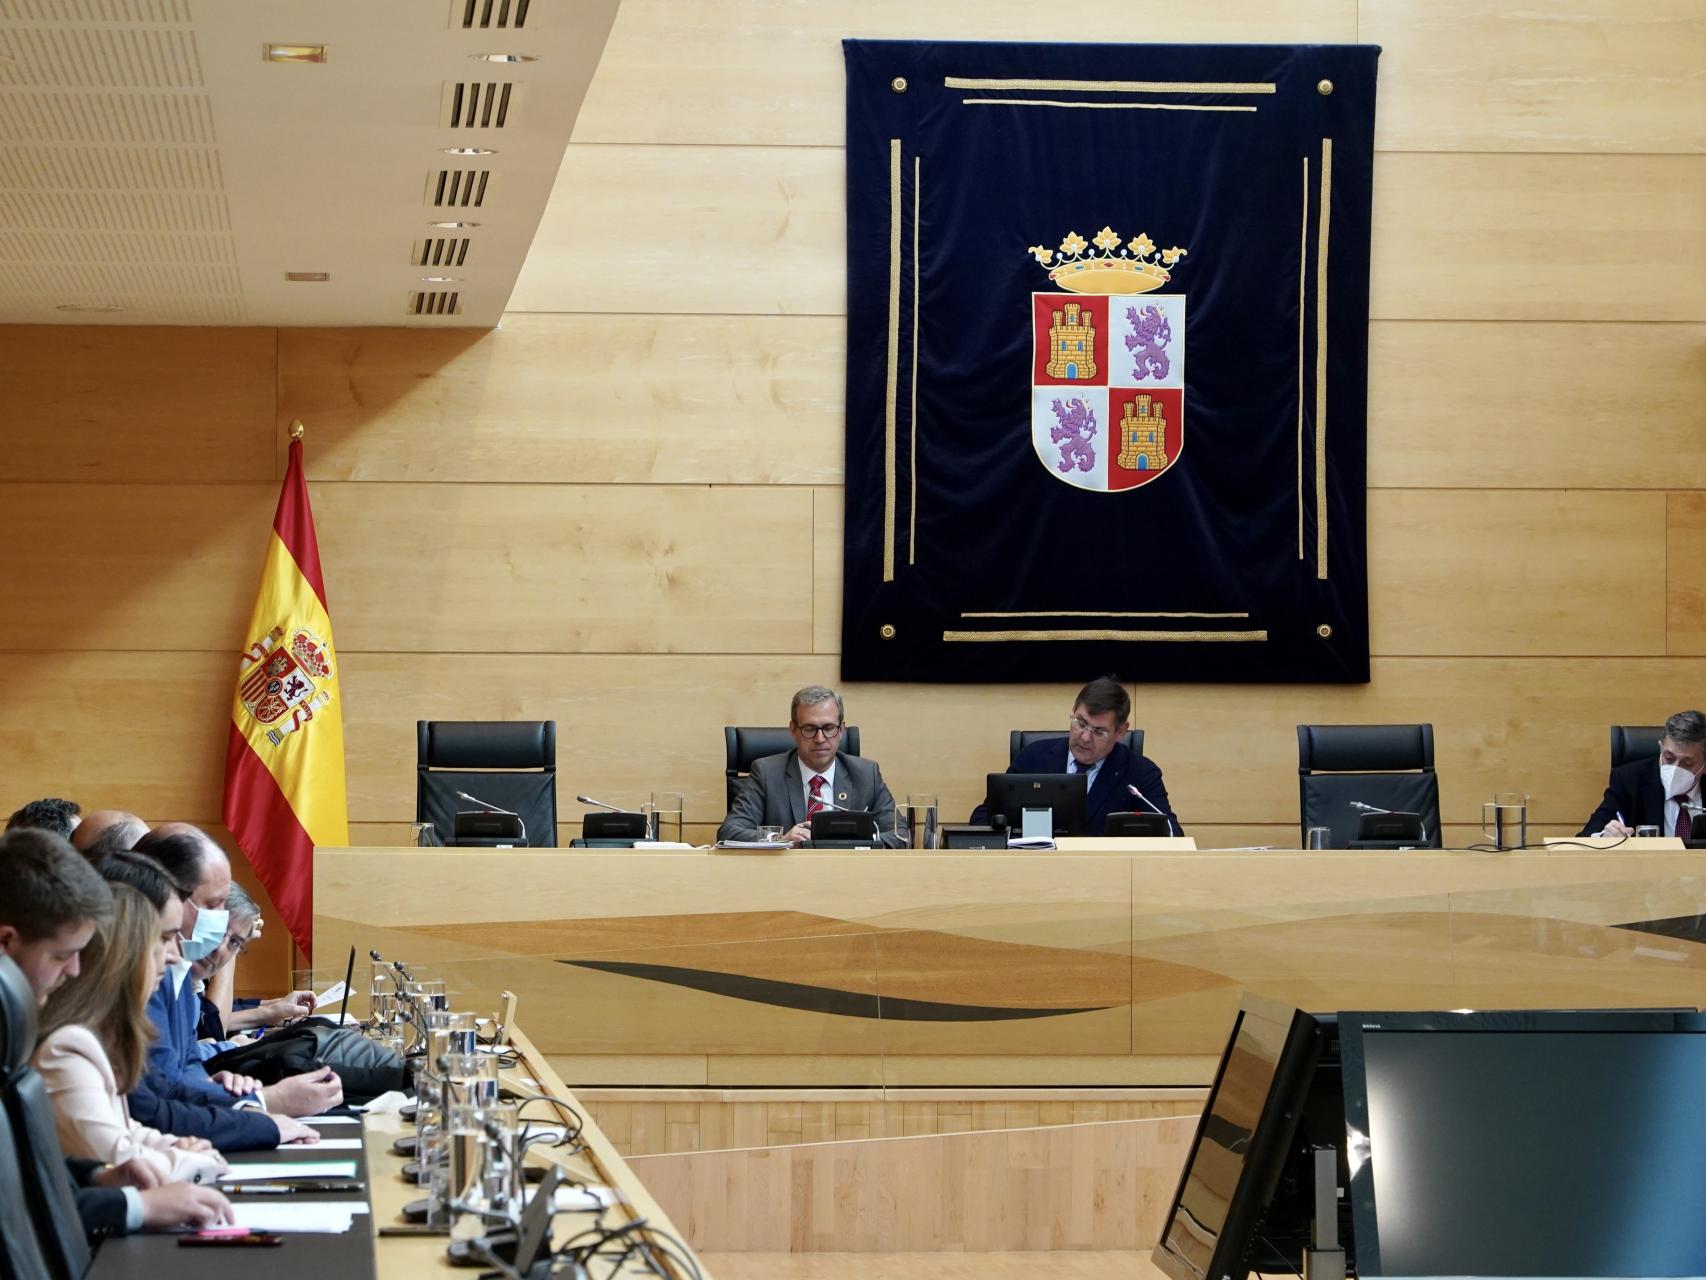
(1121, 770)
(177, 1096)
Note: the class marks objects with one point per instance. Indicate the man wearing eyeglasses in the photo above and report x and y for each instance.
(785, 790)
(1119, 780)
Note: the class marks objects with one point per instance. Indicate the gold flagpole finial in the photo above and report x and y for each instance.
(296, 428)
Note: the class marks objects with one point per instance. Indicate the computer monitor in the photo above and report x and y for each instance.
(1010, 794)
(1532, 1143)
(1242, 1143)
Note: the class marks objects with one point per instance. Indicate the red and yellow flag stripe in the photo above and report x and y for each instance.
(284, 762)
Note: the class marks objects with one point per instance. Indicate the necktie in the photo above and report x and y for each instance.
(816, 804)
(1684, 822)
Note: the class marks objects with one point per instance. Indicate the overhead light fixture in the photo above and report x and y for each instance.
(452, 226)
(88, 306)
(441, 279)
(308, 277)
(293, 52)
(469, 151)
(504, 57)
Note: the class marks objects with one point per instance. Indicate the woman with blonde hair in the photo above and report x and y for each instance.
(94, 1042)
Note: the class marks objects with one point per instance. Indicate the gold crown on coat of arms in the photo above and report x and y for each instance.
(1102, 264)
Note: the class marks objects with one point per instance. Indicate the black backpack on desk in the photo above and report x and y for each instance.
(365, 1068)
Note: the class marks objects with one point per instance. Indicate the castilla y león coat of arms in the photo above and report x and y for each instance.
(1108, 362)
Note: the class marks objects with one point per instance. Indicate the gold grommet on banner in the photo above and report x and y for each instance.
(886, 631)
(898, 84)
(1324, 631)
(1323, 87)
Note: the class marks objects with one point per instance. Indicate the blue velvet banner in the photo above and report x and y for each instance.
(1107, 361)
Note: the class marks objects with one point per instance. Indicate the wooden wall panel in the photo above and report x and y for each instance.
(1570, 75)
(562, 398)
(760, 71)
(1467, 405)
(1685, 575)
(196, 411)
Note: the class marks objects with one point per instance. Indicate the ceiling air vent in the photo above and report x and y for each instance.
(478, 104)
(437, 302)
(489, 15)
(440, 251)
(458, 188)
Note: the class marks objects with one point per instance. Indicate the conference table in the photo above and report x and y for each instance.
(1103, 964)
(363, 1253)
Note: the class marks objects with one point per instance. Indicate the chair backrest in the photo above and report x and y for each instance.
(1631, 742)
(742, 744)
(507, 764)
(47, 1201)
(1390, 766)
(1019, 739)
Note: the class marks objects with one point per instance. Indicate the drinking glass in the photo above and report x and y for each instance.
(1646, 830)
(922, 828)
(663, 816)
(1318, 838)
(1504, 821)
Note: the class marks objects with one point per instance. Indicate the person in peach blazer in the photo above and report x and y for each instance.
(94, 1041)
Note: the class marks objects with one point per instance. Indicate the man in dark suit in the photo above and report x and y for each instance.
(1120, 781)
(785, 790)
(1658, 791)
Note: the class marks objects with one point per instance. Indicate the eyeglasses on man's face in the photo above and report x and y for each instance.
(825, 732)
(1078, 724)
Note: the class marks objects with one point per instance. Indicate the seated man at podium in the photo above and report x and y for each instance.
(1660, 790)
(1120, 781)
(784, 790)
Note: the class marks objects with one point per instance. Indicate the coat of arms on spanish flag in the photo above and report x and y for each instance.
(284, 764)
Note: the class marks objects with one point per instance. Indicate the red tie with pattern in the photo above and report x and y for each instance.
(815, 804)
(1684, 823)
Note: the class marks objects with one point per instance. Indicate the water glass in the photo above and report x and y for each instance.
(1646, 831)
(1504, 821)
(1318, 838)
(922, 830)
(663, 816)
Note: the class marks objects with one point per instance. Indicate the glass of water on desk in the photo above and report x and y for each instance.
(663, 816)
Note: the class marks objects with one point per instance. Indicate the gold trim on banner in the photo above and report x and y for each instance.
(1302, 288)
(1324, 223)
(890, 391)
(912, 418)
(1095, 613)
(1105, 633)
(1118, 86)
(1097, 106)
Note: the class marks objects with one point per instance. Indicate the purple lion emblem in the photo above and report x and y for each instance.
(1150, 333)
(1075, 433)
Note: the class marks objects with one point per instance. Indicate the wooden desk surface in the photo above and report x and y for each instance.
(1095, 966)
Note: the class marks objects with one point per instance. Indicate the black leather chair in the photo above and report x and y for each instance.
(1019, 739)
(1390, 766)
(36, 1199)
(1631, 742)
(742, 744)
(506, 764)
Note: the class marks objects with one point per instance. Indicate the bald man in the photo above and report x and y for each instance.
(113, 828)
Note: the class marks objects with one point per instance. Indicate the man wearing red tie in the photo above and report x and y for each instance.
(785, 790)
(1662, 792)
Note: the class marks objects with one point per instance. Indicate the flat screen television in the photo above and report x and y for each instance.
(1008, 795)
(1535, 1143)
(1242, 1143)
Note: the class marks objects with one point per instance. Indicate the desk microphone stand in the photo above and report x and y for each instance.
(1325, 1257)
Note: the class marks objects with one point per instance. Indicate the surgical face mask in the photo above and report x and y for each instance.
(1676, 780)
(210, 927)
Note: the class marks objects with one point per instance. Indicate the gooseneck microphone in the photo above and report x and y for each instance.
(1172, 822)
(599, 804)
(489, 807)
(1360, 807)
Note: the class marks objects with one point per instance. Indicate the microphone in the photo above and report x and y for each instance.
(1172, 822)
(599, 804)
(492, 808)
(1360, 807)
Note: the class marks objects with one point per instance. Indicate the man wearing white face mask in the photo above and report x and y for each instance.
(191, 858)
(1660, 792)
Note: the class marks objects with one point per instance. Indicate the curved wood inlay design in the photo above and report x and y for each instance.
(799, 995)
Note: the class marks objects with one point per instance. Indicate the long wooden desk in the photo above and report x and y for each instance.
(943, 968)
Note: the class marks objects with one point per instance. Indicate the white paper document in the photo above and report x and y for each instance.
(321, 1121)
(283, 1171)
(325, 1217)
(335, 1144)
(330, 997)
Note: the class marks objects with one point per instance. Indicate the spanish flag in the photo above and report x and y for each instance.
(284, 765)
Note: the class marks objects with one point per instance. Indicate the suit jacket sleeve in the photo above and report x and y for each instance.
(743, 820)
(1148, 776)
(104, 1212)
(227, 1128)
(882, 805)
(1623, 796)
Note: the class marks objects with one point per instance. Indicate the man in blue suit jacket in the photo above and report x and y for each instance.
(1120, 780)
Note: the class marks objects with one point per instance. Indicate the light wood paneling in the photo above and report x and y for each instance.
(1086, 1186)
(1685, 575)
(1535, 560)
(1084, 1264)
(1469, 405)
(557, 398)
(760, 71)
(1571, 75)
(1537, 237)
(1480, 237)
(137, 404)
